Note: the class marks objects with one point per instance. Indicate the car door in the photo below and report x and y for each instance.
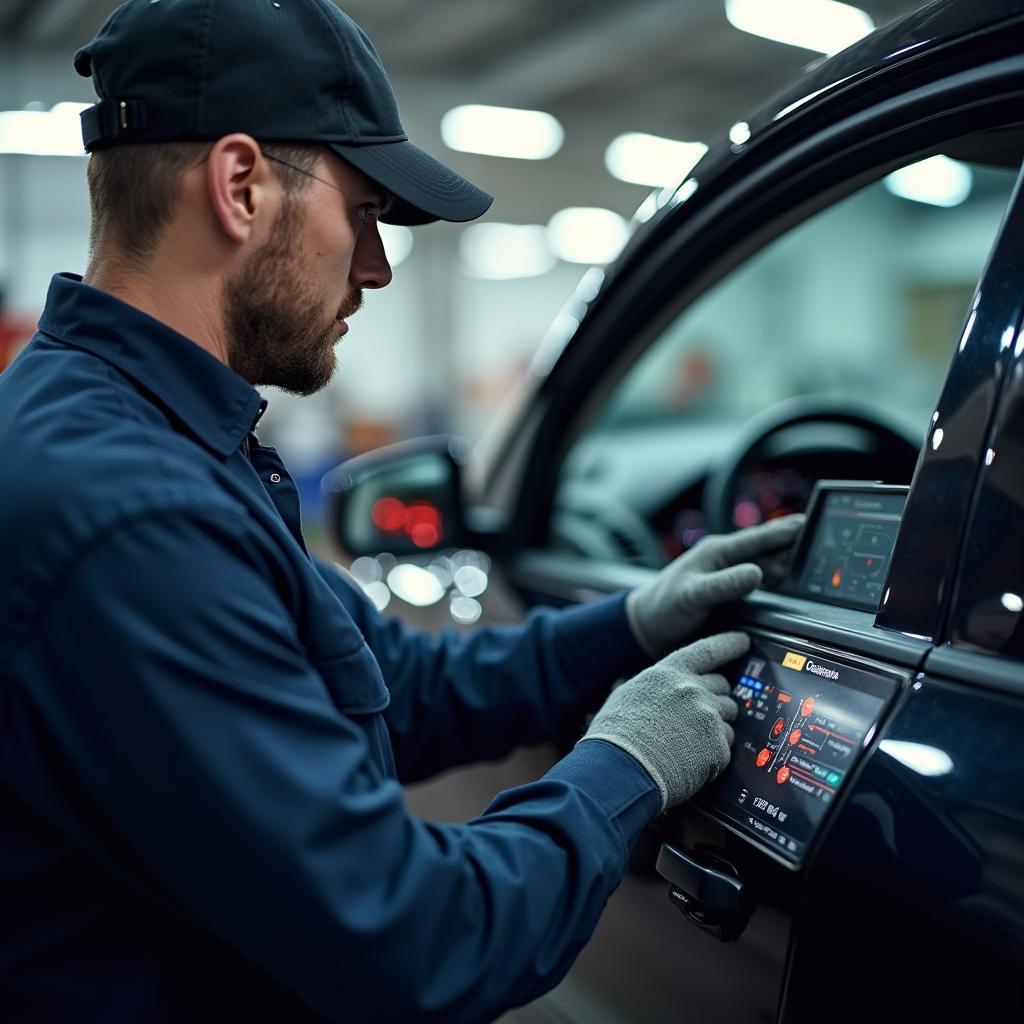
(913, 873)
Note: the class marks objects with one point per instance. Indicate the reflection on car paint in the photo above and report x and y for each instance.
(924, 562)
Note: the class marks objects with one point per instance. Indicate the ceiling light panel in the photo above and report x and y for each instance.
(54, 132)
(501, 252)
(502, 131)
(824, 26)
(587, 234)
(652, 160)
(397, 241)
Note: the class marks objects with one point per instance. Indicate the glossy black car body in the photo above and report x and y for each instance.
(910, 906)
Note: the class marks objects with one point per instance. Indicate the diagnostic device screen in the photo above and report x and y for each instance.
(849, 553)
(803, 720)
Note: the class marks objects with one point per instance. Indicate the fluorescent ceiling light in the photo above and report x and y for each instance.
(651, 159)
(822, 25)
(503, 251)
(502, 131)
(397, 242)
(587, 234)
(937, 180)
(54, 132)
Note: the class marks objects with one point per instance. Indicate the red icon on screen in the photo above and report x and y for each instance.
(782, 775)
(794, 737)
(763, 758)
(808, 707)
(778, 727)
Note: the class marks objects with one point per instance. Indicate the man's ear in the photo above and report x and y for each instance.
(239, 183)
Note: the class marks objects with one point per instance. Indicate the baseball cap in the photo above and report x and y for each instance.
(278, 70)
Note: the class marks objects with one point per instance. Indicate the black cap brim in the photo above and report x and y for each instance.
(424, 189)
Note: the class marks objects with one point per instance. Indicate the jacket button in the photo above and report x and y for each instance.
(275, 478)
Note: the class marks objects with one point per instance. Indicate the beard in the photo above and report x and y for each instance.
(276, 330)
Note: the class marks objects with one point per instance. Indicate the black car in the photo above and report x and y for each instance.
(826, 314)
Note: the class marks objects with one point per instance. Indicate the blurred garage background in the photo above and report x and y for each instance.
(599, 103)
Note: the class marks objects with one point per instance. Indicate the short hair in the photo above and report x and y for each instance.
(132, 188)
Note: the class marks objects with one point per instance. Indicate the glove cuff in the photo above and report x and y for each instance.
(617, 741)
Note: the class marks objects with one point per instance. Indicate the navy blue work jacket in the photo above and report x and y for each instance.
(203, 731)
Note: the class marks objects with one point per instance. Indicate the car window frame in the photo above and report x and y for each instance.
(668, 265)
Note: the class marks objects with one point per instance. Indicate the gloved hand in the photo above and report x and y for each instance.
(724, 567)
(673, 717)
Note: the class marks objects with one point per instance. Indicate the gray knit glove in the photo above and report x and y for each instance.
(673, 717)
(720, 568)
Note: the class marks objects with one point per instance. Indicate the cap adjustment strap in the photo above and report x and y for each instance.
(110, 120)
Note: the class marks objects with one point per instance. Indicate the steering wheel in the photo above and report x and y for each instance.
(803, 424)
(592, 522)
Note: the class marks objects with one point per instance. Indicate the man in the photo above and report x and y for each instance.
(205, 731)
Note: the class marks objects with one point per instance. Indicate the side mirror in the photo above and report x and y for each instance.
(404, 499)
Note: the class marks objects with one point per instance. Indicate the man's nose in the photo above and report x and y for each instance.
(370, 266)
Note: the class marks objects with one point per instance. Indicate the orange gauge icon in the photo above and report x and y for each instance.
(782, 775)
(778, 727)
(794, 737)
(807, 707)
(763, 758)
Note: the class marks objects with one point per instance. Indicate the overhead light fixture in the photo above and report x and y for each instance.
(397, 242)
(502, 131)
(825, 26)
(587, 234)
(53, 132)
(652, 160)
(500, 252)
(938, 181)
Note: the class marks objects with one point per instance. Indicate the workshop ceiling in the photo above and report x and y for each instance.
(669, 67)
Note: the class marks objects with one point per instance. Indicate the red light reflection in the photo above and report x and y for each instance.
(388, 514)
(420, 521)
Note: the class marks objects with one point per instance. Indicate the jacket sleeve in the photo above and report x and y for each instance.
(461, 698)
(207, 765)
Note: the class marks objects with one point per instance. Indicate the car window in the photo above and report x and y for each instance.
(860, 306)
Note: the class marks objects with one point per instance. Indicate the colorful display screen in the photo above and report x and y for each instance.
(849, 553)
(804, 720)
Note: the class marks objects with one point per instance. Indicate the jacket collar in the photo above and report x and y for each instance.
(213, 402)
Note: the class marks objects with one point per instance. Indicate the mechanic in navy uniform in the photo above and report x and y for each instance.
(205, 730)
